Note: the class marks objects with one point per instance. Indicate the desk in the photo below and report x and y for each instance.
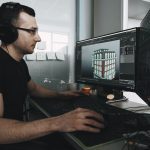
(116, 144)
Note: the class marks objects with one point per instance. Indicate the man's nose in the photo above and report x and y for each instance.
(37, 37)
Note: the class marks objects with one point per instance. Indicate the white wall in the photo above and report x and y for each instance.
(85, 19)
(107, 16)
(133, 23)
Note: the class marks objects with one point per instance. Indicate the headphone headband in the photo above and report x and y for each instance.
(8, 34)
(11, 5)
(9, 12)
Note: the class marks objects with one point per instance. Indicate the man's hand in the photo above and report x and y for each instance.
(79, 119)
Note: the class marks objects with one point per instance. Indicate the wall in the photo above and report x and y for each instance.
(84, 19)
(98, 17)
(133, 23)
(107, 16)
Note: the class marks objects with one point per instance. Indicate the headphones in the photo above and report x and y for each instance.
(8, 33)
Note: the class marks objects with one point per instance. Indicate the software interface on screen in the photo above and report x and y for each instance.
(109, 61)
(101, 60)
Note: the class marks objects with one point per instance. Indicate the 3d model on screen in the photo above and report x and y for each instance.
(103, 63)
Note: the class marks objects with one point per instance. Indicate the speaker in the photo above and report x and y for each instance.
(8, 33)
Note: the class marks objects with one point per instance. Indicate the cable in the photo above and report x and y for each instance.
(4, 46)
(139, 108)
(139, 140)
(7, 49)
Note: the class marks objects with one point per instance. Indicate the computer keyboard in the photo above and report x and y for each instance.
(117, 121)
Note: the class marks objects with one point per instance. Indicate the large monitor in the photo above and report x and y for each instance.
(119, 60)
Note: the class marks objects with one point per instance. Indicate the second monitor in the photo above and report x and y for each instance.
(120, 60)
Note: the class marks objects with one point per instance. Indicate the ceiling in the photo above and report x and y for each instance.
(138, 9)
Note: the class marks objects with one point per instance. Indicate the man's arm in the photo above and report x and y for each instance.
(13, 131)
(37, 90)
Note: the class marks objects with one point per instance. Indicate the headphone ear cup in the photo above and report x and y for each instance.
(8, 33)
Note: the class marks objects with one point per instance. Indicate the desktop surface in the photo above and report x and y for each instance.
(117, 121)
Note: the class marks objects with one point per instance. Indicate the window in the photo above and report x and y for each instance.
(59, 41)
(51, 42)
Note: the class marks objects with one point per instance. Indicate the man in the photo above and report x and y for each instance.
(18, 33)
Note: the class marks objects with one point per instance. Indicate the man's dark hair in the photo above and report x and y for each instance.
(9, 14)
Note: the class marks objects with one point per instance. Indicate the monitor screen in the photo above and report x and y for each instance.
(100, 60)
(107, 60)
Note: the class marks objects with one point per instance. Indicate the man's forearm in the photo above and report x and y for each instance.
(13, 131)
(43, 92)
(39, 91)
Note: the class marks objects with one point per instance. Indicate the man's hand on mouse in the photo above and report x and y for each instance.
(80, 119)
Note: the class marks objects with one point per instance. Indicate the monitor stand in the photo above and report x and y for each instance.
(111, 95)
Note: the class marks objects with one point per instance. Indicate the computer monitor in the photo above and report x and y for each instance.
(119, 60)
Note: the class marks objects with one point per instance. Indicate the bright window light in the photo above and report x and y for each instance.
(60, 38)
(146, 1)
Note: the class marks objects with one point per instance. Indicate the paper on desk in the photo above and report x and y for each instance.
(41, 56)
(51, 55)
(132, 96)
(60, 56)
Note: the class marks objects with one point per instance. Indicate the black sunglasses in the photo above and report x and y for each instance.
(31, 31)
